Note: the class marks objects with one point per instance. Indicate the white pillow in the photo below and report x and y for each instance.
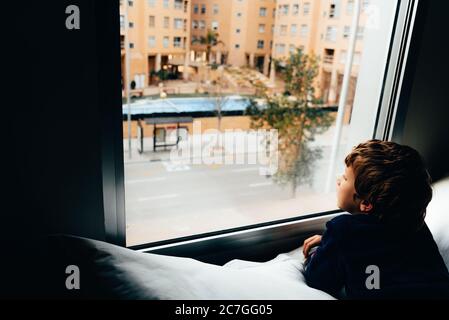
(128, 274)
(437, 217)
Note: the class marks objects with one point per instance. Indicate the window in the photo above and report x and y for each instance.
(283, 29)
(178, 4)
(130, 3)
(167, 199)
(304, 31)
(203, 9)
(295, 9)
(177, 42)
(122, 21)
(280, 48)
(306, 8)
(151, 41)
(331, 33)
(291, 48)
(285, 9)
(151, 3)
(131, 24)
(166, 4)
(346, 31)
(350, 7)
(239, 14)
(365, 5)
(274, 13)
(360, 32)
(293, 29)
(178, 23)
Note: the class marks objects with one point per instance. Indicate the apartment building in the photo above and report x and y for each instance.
(245, 28)
(321, 27)
(159, 38)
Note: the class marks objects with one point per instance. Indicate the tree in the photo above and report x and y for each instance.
(210, 40)
(219, 99)
(297, 115)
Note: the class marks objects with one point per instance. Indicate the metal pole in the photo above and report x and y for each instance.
(128, 83)
(344, 93)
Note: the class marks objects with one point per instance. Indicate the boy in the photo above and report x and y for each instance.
(383, 249)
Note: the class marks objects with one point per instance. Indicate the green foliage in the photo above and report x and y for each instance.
(297, 116)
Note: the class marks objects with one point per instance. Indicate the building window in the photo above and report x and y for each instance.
(177, 42)
(122, 21)
(130, 3)
(178, 4)
(152, 3)
(304, 31)
(165, 42)
(291, 49)
(216, 9)
(203, 9)
(166, 22)
(261, 28)
(237, 46)
(237, 30)
(239, 14)
(280, 48)
(263, 12)
(166, 4)
(346, 31)
(365, 5)
(272, 29)
(194, 24)
(152, 21)
(151, 41)
(195, 8)
(202, 25)
(285, 9)
(360, 32)
(306, 8)
(260, 44)
(350, 7)
(284, 30)
(274, 13)
(131, 45)
(295, 9)
(178, 23)
(215, 25)
(131, 24)
(293, 29)
(334, 10)
(331, 33)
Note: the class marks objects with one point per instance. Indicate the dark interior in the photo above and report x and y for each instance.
(55, 174)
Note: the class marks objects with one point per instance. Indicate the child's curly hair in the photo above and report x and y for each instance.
(394, 179)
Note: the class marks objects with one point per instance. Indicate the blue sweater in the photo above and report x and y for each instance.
(409, 265)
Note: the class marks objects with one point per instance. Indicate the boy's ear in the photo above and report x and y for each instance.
(366, 206)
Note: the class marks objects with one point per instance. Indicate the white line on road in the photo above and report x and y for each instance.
(146, 180)
(245, 169)
(262, 184)
(164, 196)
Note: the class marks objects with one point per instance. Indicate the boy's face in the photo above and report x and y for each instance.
(346, 199)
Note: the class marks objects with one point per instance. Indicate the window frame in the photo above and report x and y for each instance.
(392, 91)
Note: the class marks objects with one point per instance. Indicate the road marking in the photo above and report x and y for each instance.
(173, 166)
(245, 169)
(164, 196)
(146, 180)
(262, 184)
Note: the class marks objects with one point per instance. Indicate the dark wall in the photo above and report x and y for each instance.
(425, 108)
(52, 129)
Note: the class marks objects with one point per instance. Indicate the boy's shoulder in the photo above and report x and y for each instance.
(345, 225)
